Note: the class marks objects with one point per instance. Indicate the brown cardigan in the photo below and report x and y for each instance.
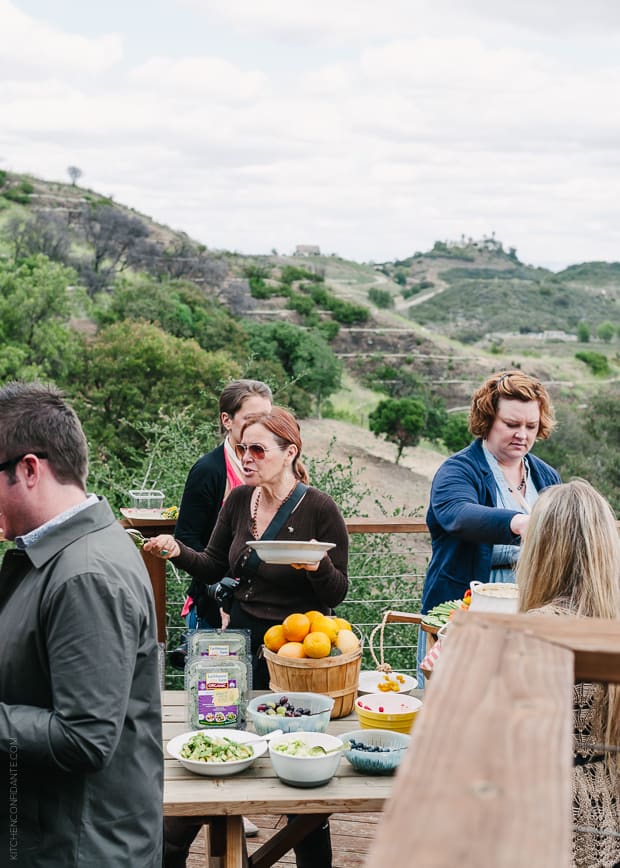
(274, 591)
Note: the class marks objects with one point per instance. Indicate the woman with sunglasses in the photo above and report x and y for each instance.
(269, 450)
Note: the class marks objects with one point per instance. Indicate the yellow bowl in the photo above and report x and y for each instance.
(395, 712)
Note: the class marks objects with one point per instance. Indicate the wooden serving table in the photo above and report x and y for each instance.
(221, 802)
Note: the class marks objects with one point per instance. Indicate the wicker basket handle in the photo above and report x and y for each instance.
(389, 617)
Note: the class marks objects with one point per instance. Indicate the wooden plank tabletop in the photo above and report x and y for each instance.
(258, 790)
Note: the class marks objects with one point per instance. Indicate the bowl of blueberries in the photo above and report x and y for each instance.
(375, 751)
(291, 712)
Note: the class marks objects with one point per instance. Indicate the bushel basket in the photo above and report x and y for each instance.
(337, 677)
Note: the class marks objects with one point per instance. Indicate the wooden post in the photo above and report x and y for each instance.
(156, 567)
(487, 778)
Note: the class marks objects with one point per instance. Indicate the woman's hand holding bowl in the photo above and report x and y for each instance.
(163, 546)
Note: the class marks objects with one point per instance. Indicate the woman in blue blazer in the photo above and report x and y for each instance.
(482, 496)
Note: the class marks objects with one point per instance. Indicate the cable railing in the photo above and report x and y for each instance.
(387, 562)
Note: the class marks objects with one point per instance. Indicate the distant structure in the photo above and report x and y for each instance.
(490, 244)
(307, 250)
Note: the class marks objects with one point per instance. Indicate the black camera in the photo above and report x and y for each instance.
(223, 592)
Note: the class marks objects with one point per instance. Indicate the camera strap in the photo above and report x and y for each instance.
(275, 526)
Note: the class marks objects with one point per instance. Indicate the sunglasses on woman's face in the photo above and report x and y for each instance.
(255, 449)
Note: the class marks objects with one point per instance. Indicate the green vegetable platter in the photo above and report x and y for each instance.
(216, 754)
(440, 615)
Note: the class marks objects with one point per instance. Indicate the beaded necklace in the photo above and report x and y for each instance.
(254, 513)
(521, 485)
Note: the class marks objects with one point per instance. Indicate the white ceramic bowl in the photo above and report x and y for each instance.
(369, 682)
(376, 762)
(300, 771)
(216, 769)
(320, 709)
(289, 552)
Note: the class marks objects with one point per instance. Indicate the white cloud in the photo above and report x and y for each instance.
(341, 21)
(414, 131)
(26, 43)
(200, 77)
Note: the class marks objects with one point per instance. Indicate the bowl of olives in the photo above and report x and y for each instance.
(290, 712)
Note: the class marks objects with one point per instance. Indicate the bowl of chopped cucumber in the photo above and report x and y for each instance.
(216, 754)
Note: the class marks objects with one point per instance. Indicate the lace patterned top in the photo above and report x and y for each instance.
(596, 788)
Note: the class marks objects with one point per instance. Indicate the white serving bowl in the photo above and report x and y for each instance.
(289, 552)
(369, 682)
(216, 769)
(300, 771)
(319, 704)
(376, 762)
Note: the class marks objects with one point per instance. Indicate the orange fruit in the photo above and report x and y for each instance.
(323, 624)
(342, 624)
(296, 627)
(317, 644)
(292, 649)
(274, 637)
(347, 641)
(312, 614)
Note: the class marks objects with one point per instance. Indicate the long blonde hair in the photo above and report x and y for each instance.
(571, 556)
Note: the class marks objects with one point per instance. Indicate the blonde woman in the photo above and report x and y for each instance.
(570, 565)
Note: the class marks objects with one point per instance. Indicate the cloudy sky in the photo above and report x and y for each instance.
(369, 127)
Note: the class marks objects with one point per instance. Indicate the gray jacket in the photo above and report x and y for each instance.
(80, 717)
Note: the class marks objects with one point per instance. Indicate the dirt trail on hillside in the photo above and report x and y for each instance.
(405, 486)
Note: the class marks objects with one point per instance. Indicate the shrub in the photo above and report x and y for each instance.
(302, 304)
(329, 329)
(381, 297)
(347, 313)
(605, 332)
(583, 332)
(597, 362)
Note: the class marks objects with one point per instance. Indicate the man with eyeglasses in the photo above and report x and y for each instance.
(80, 717)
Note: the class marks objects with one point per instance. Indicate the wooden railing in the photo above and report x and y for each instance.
(491, 779)
(157, 567)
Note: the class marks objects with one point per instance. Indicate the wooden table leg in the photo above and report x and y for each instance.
(284, 840)
(227, 847)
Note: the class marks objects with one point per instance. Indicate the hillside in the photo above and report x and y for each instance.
(450, 315)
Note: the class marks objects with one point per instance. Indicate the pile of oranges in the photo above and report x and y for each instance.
(311, 634)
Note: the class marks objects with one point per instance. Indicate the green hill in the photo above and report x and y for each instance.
(138, 320)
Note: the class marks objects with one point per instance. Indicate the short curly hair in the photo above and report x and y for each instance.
(514, 386)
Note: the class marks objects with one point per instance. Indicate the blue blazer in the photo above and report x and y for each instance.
(465, 524)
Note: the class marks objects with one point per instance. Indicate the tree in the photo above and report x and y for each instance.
(306, 358)
(113, 237)
(401, 421)
(605, 332)
(75, 174)
(179, 308)
(44, 233)
(583, 332)
(456, 434)
(36, 339)
(134, 371)
(316, 368)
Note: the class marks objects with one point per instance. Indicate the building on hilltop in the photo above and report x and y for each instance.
(307, 250)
